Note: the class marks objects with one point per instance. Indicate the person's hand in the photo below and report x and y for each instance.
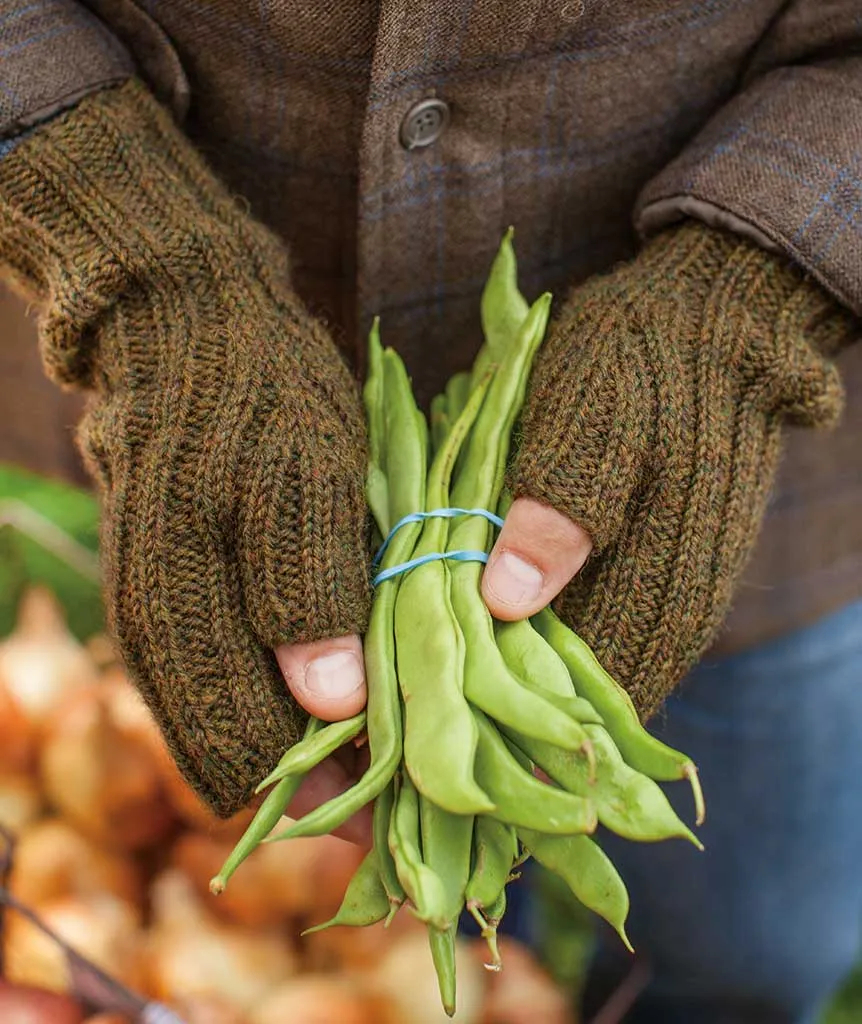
(224, 431)
(649, 442)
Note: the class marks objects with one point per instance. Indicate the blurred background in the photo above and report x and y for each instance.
(105, 843)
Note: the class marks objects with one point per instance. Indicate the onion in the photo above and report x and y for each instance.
(522, 992)
(99, 773)
(41, 659)
(101, 928)
(20, 801)
(54, 860)
(405, 979)
(23, 1004)
(17, 738)
(190, 953)
(320, 999)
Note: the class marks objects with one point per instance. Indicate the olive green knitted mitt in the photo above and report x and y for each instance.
(225, 432)
(654, 421)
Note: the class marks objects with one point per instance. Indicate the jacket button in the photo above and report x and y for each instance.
(424, 123)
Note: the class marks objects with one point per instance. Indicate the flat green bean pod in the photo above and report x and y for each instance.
(588, 872)
(423, 886)
(365, 901)
(458, 389)
(441, 422)
(442, 943)
(641, 751)
(627, 802)
(532, 659)
(303, 756)
(381, 819)
(520, 798)
(447, 841)
(268, 815)
(373, 394)
(503, 308)
(405, 458)
(495, 850)
(440, 732)
(488, 683)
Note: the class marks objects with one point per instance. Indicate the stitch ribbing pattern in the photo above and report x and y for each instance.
(654, 420)
(225, 432)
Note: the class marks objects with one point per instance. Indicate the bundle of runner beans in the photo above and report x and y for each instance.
(463, 709)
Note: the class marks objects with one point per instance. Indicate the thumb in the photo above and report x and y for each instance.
(538, 551)
(327, 677)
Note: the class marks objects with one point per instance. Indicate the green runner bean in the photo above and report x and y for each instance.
(488, 683)
(521, 799)
(384, 716)
(457, 394)
(440, 731)
(503, 308)
(365, 901)
(495, 850)
(442, 943)
(422, 885)
(373, 393)
(588, 871)
(641, 751)
(627, 802)
(381, 819)
(441, 422)
(303, 756)
(532, 659)
(447, 841)
(268, 815)
(487, 448)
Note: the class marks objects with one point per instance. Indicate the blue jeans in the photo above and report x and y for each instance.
(763, 926)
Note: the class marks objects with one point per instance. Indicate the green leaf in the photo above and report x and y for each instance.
(49, 534)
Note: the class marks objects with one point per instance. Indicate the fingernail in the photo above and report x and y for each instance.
(334, 675)
(514, 581)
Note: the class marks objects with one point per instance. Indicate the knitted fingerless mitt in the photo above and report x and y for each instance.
(654, 421)
(225, 432)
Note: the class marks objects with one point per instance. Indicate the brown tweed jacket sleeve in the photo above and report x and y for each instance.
(782, 161)
(52, 54)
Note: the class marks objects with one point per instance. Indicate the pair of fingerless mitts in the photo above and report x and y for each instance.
(227, 435)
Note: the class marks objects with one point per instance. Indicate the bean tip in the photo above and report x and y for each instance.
(690, 772)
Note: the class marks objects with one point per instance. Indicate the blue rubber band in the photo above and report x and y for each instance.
(455, 556)
(438, 556)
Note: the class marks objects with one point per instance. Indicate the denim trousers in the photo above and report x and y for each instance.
(761, 927)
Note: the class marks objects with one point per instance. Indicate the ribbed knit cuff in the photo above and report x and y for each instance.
(111, 197)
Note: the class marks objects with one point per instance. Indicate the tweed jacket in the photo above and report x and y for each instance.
(584, 123)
